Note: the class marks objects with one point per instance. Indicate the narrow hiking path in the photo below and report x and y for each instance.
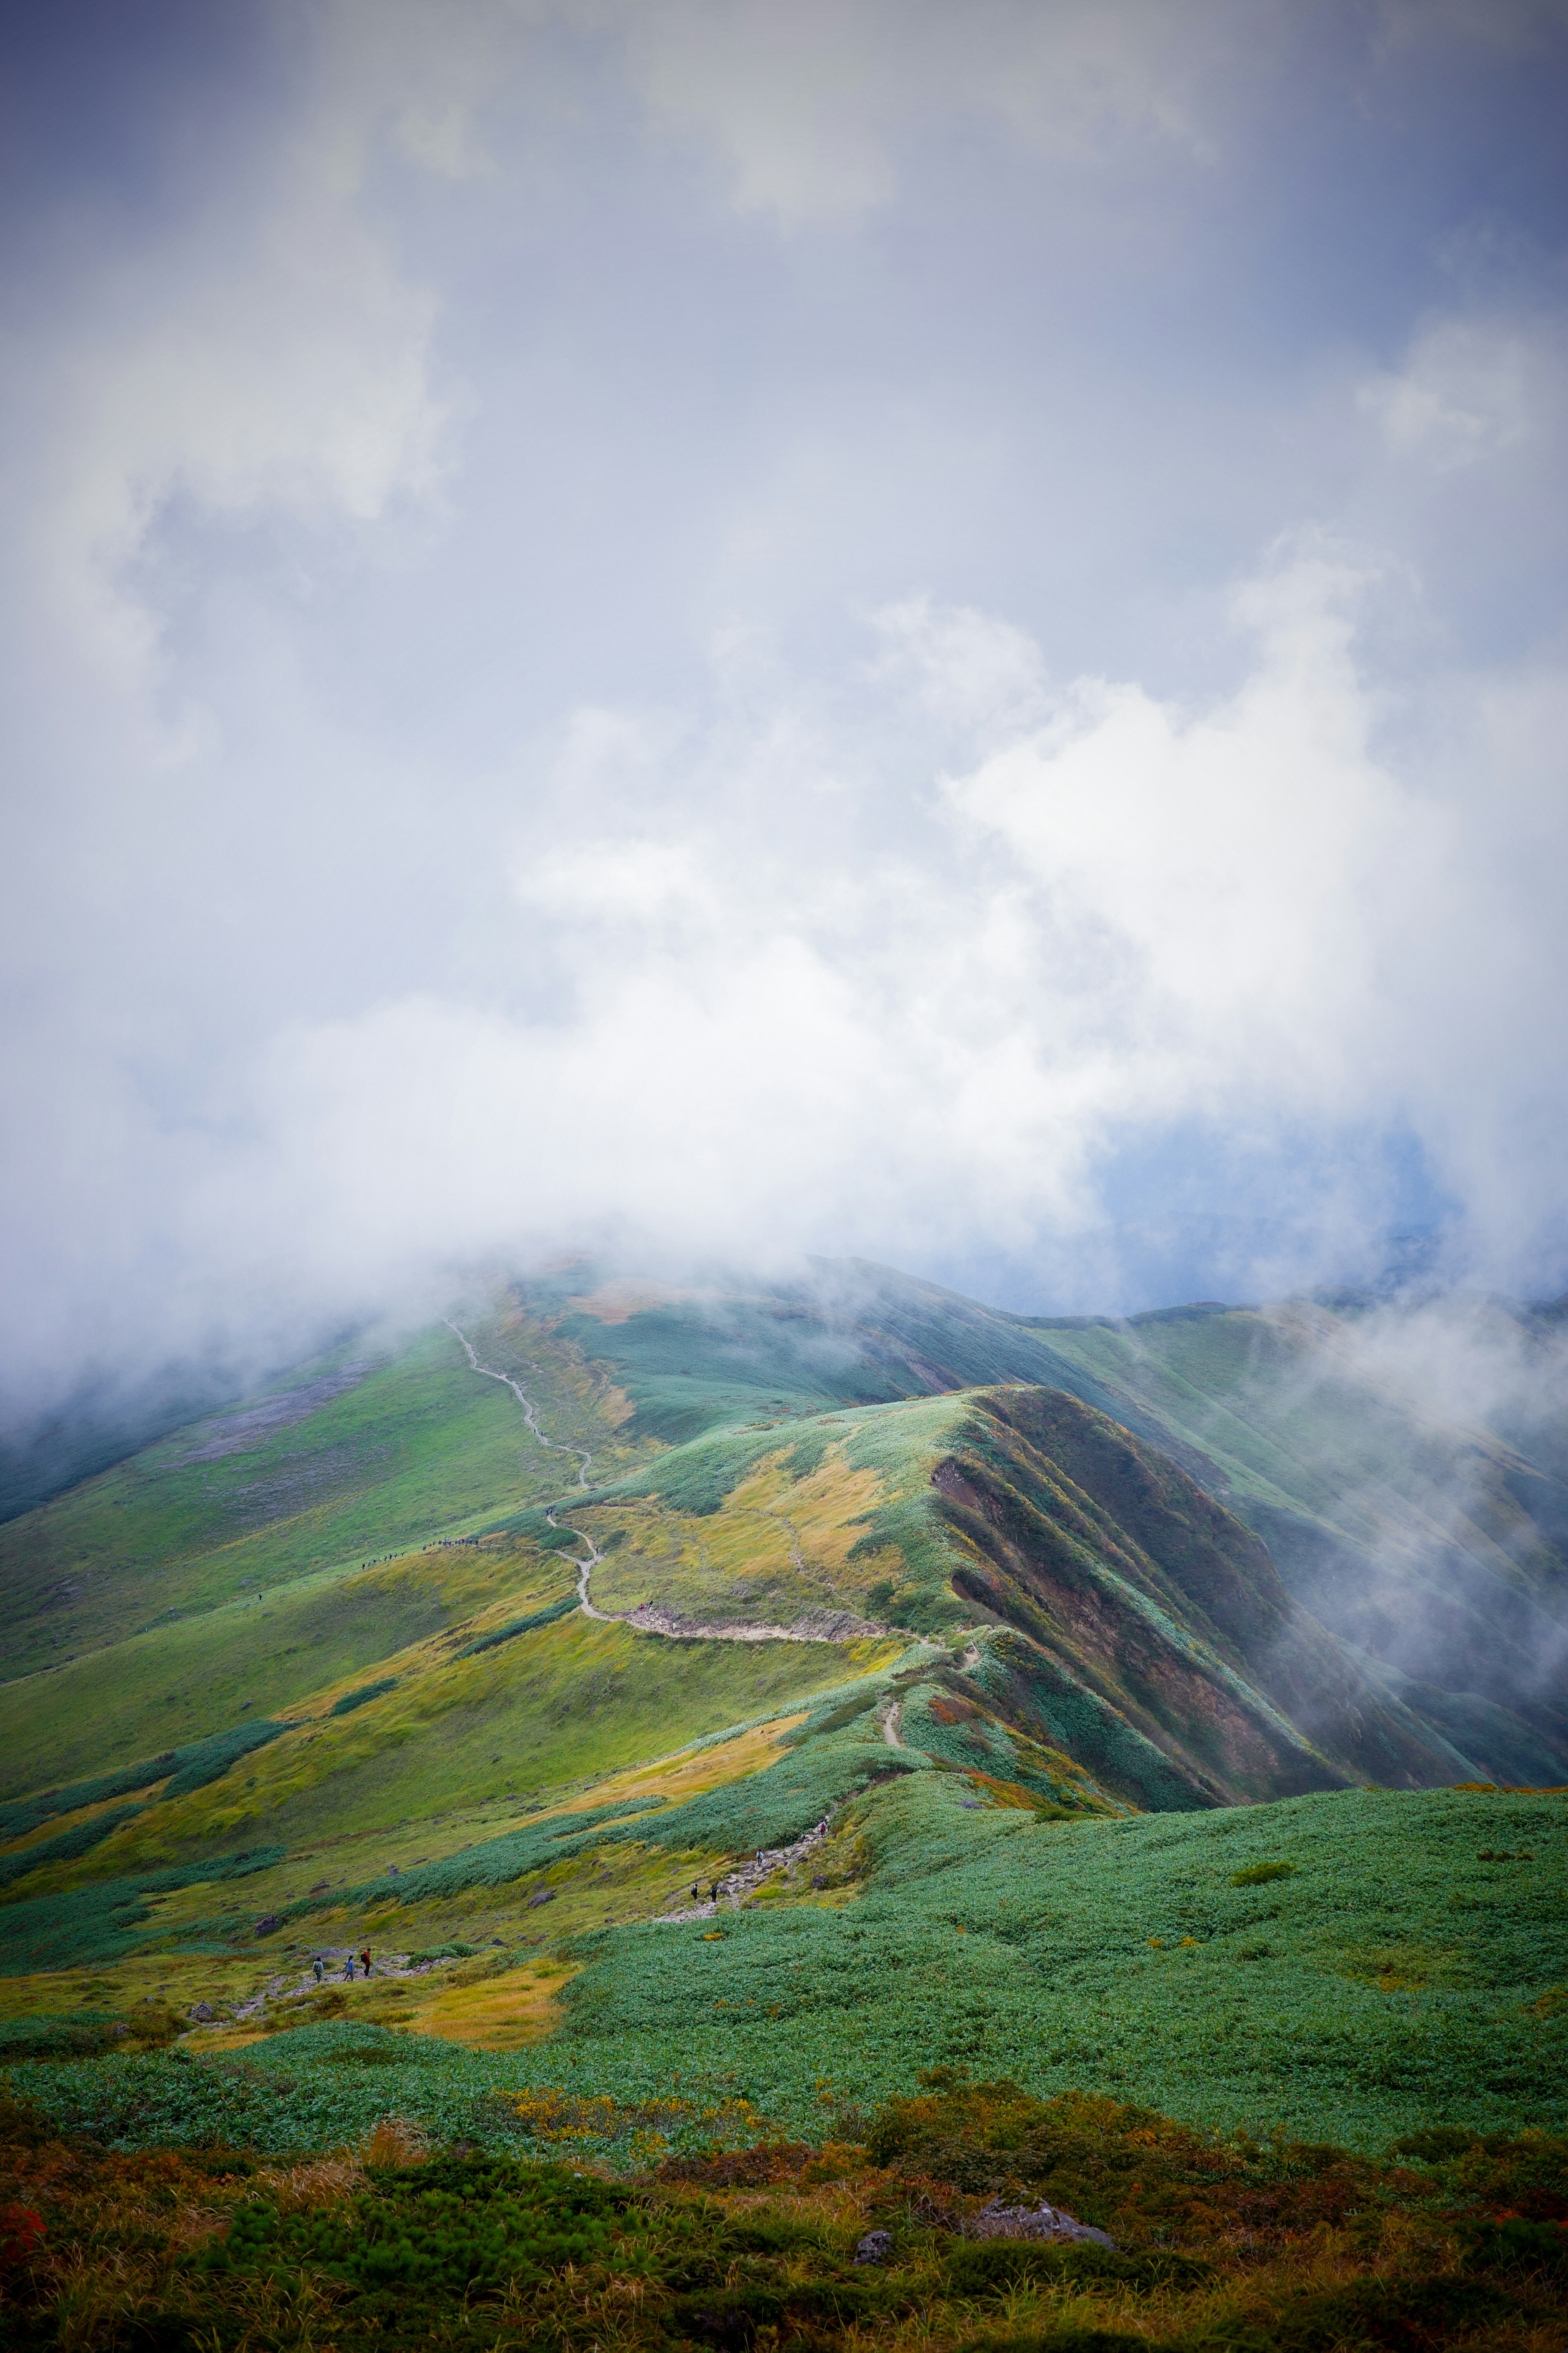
(817, 1625)
(300, 1984)
(584, 1569)
(737, 1885)
(530, 1410)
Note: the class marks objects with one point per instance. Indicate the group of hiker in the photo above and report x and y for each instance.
(442, 1543)
(717, 1886)
(318, 1965)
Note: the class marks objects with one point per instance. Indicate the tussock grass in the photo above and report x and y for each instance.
(1222, 2245)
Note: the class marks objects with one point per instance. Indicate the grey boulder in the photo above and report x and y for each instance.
(999, 2221)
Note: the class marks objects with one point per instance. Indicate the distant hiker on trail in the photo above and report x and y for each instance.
(316, 1964)
(349, 1969)
(365, 1960)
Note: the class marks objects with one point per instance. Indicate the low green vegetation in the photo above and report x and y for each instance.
(1390, 1977)
(1390, 1980)
(110, 1918)
(437, 2232)
(362, 1696)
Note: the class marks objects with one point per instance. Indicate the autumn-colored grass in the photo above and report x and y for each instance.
(1220, 2245)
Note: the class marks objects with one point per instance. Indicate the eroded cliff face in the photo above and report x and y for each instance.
(1163, 1649)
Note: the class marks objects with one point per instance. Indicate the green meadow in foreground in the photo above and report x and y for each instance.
(1346, 1967)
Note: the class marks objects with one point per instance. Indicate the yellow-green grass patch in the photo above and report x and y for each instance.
(179, 1682)
(689, 1772)
(777, 1548)
(573, 1702)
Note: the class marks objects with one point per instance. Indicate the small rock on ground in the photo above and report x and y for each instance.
(999, 2221)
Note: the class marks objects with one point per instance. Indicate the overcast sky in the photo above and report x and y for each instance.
(725, 628)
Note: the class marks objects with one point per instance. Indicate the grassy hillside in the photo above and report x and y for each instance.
(859, 1334)
(1346, 1965)
(1154, 1651)
(1439, 1550)
(372, 1658)
(1177, 1666)
(350, 1460)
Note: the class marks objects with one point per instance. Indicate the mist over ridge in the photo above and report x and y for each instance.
(1403, 1455)
(624, 633)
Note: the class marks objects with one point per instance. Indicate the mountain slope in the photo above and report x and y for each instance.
(1165, 1652)
(415, 1601)
(1438, 1549)
(348, 1460)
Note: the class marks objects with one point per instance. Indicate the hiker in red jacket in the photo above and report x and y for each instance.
(365, 1960)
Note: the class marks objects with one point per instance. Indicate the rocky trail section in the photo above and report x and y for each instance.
(300, 1983)
(747, 1877)
(817, 1625)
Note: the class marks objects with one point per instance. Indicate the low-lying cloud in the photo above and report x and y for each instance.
(616, 643)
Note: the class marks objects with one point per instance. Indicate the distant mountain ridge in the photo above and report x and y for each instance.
(1441, 1556)
(1190, 1560)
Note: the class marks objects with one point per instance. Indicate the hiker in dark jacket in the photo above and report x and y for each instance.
(316, 1966)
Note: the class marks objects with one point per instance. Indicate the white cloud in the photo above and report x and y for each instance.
(808, 105)
(1226, 871)
(1121, 916)
(1469, 390)
(458, 907)
(271, 358)
(618, 881)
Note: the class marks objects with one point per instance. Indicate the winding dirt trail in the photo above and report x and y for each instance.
(584, 1568)
(530, 1410)
(817, 1626)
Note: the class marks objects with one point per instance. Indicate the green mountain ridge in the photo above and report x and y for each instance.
(1438, 1555)
(582, 1599)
